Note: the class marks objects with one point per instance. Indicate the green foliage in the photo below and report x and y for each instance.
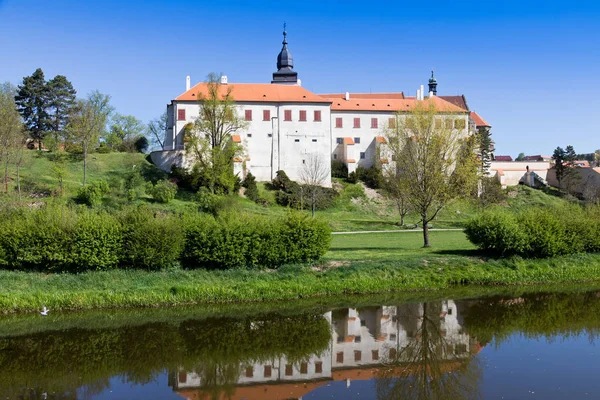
(251, 188)
(293, 195)
(537, 232)
(164, 191)
(150, 241)
(234, 241)
(339, 169)
(372, 177)
(352, 177)
(91, 195)
(491, 191)
(95, 244)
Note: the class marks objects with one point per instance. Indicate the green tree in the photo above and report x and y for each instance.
(125, 131)
(32, 102)
(209, 139)
(564, 161)
(12, 134)
(520, 157)
(88, 123)
(485, 149)
(313, 176)
(432, 161)
(398, 190)
(61, 100)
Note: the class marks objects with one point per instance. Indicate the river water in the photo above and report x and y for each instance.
(540, 345)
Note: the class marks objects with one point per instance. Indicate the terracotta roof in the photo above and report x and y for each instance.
(459, 101)
(503, 158)
(351, 160)
(380, 139)
(348, 140)
(384, 160)
(392, 105)
(582, 163)
(399, 95)
(236, 139)
(478, 120)
(257, 92)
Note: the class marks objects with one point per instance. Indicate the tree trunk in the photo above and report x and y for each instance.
(84, 164)
(18, 181)
(6, 176)
(400, 211)
(425, 231)
(401, 219)
(39, 144)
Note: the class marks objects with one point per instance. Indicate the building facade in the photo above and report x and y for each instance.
(289, 127)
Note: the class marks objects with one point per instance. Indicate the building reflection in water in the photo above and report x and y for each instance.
(415, 350)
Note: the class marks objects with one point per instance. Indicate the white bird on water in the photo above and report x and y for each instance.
(44, 311)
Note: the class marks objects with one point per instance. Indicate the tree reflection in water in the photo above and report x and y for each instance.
(434, 361)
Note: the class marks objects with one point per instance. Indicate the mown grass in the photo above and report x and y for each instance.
(353, 266)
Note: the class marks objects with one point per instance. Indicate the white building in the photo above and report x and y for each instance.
(288, 124)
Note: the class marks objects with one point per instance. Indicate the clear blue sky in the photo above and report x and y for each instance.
(530, 68)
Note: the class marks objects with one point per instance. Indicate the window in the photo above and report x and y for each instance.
(338, 122)
(357, 140)
(448, 124)
(393, 354)
(289, 371)
(459, 123)
(266, 115)
(267, 371)
(296, 140)
(182, 377)
(287, 115)
(392, 122)
(248, 115)
(357, 355)
(269, 134)
(302, 115)
(362, 321)
(314, 140)
(319, 367)
(339, 357)
(335, 156)
(374, 123)
(392, 337)
(375, 355)
(181, 115)
(304, 368)
(362, 155)
(249, 372)
(317, 116)
(339, 140)
(449, 311)
(249, 135)
(357, 122)
(357, 339)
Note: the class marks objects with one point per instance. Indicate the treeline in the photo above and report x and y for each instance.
(536, 231)
(65, 239)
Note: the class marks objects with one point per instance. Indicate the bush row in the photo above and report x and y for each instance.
(537, 232)
(63, 239)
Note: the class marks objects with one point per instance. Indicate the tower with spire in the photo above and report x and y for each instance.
(432, 84)
(285, 63)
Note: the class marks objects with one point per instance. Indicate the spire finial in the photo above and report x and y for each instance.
(284, 33)
(432, 73)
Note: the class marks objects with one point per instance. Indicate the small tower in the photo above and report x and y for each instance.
(432, 84)
(285, 64)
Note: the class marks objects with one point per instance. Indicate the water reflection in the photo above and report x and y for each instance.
(416, 351)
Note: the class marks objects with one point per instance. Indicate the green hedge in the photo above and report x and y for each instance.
(234, 240)
(64, 239)
(537, 232)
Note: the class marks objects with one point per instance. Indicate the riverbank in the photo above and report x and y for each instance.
(356, 264)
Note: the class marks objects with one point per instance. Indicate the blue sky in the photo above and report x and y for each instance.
(530, 68)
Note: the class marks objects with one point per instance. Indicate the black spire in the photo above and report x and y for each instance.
(432, 84)
(285, 64)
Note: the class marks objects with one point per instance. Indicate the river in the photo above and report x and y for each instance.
(531, 344)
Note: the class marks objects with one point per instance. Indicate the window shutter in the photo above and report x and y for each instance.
(373, 123)
(392, 122)
(302, 115)
(338, 122)
(181, 115)
(357, 122)
(287, 115)
(248, 114)
(266, 115)
(318, 115)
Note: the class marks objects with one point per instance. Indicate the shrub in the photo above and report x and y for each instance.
(251, 188)
(164, 191)
(496, 232)
(339, 169)
(91, 195)
(372, 177)
(352, 177)
(95, 243)
(150, 241)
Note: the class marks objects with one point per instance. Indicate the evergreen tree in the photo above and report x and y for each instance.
(32, 103)
(61, 100)
(564, 160)
(486, 148)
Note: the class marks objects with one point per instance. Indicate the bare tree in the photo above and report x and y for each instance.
(156, 129)
(12, 132)
(433, 160)
(397, 189)
(313, 175)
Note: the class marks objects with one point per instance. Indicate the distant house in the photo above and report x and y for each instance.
(503, 158)
(538, 157)
(581, 164)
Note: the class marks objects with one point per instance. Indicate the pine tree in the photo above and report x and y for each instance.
(32, 103)
(61, 100)
(486, 149)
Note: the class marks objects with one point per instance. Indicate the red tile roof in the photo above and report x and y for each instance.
(351, 160)
(503, 158)
(263, 92)
(236, 138)
(392, 105)
(380, 139)
(459, 101)
(398, 95)
(348, 140)
(478, 120)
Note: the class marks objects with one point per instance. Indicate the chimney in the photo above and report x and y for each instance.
(422, 93)
(187, 83)
(224, 79)
(418, 94)
(347, 96)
